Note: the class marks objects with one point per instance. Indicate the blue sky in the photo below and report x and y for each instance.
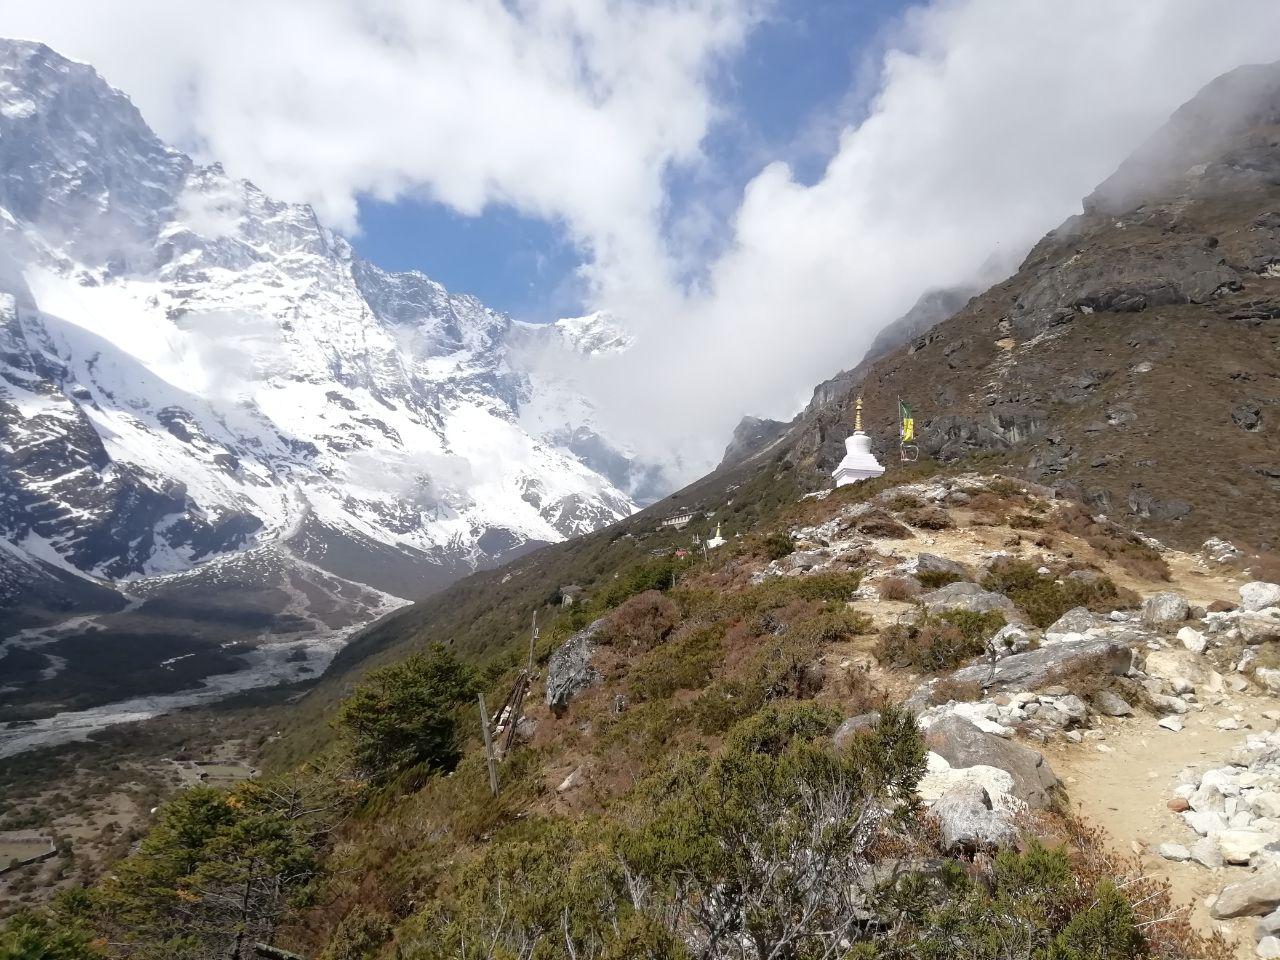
(784, 97)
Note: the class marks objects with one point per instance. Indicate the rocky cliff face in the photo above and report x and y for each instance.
(1132, 359)
(190, 369)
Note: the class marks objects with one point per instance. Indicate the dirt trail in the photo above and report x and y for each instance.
(1125, 792)
(1125, 788)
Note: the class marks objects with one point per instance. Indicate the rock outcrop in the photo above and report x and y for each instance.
(570, 670)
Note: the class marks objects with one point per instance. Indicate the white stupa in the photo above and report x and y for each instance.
(859, 462)
(717, 540)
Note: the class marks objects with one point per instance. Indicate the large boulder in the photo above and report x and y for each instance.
(968, 596)
(962, 744)
(968, 821)
(1253, 896)
(930, 563)
(1072, 625)
(569, 670)
(1259, 595)
(1164, 608)
(1045, 665)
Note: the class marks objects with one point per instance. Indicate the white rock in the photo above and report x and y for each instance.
(1266, 804)
(1193, 639)
(1166, 607)
(1229, 723)
(1269, 948)
(1268, 678)
(1206, 853)
(571, 781)
(1174, 851)
(1239, 846)
(1204, 822)
(1170, 723)
(1259, 595)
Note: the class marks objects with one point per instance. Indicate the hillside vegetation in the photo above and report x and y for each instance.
(733, 754)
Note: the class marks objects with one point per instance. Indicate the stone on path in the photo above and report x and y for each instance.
(1206, 853)
(1175, 852)
(1239, 846)
(1170, 723)
(1163, 608)
(1110, 705)
(1193, 639)
(1251, 897)
(1268, 926)
(1268, 948)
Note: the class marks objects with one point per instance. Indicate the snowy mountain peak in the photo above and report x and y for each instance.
(190, 369)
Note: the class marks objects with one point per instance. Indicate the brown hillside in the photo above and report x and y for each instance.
(1133, 360)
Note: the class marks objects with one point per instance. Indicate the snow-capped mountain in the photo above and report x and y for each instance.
(190, 370)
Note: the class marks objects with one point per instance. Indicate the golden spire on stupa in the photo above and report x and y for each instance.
(857, 415)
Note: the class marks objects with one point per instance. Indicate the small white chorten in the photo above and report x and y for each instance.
(859, 462)
(717, 540)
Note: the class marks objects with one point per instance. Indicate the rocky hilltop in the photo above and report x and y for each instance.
(1131, 361)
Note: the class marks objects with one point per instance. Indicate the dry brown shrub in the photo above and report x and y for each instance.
(993, 506)
(882, 525)
(899, 588)
(642, 622)
(859, 693)
(948, 689)
(1114, 542)
(929, 518)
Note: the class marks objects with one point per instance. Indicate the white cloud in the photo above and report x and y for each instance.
(989, 120)
(565, 109)
(992, 119)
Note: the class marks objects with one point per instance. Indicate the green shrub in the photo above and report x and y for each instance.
(684, 663)
(32, 936)
(933, 579)
(1042, 598)
(407, 715)
(778, 545)
(938, 642)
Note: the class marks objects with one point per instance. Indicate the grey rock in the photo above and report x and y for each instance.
(968, 822)
(971, 597)
(1259, 595)
(929, 563)
(1163, 608)
(1074, 621)
(1206, 853)
(962, 744)
(1039, 668)
(1008, 640)
(1174, 851)
(1268, 926)
(1253, 896)
(1110, 705)
(569, 670)
(1073, 709)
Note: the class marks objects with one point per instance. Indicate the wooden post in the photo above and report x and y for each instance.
(533, 639)
(488, 745)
